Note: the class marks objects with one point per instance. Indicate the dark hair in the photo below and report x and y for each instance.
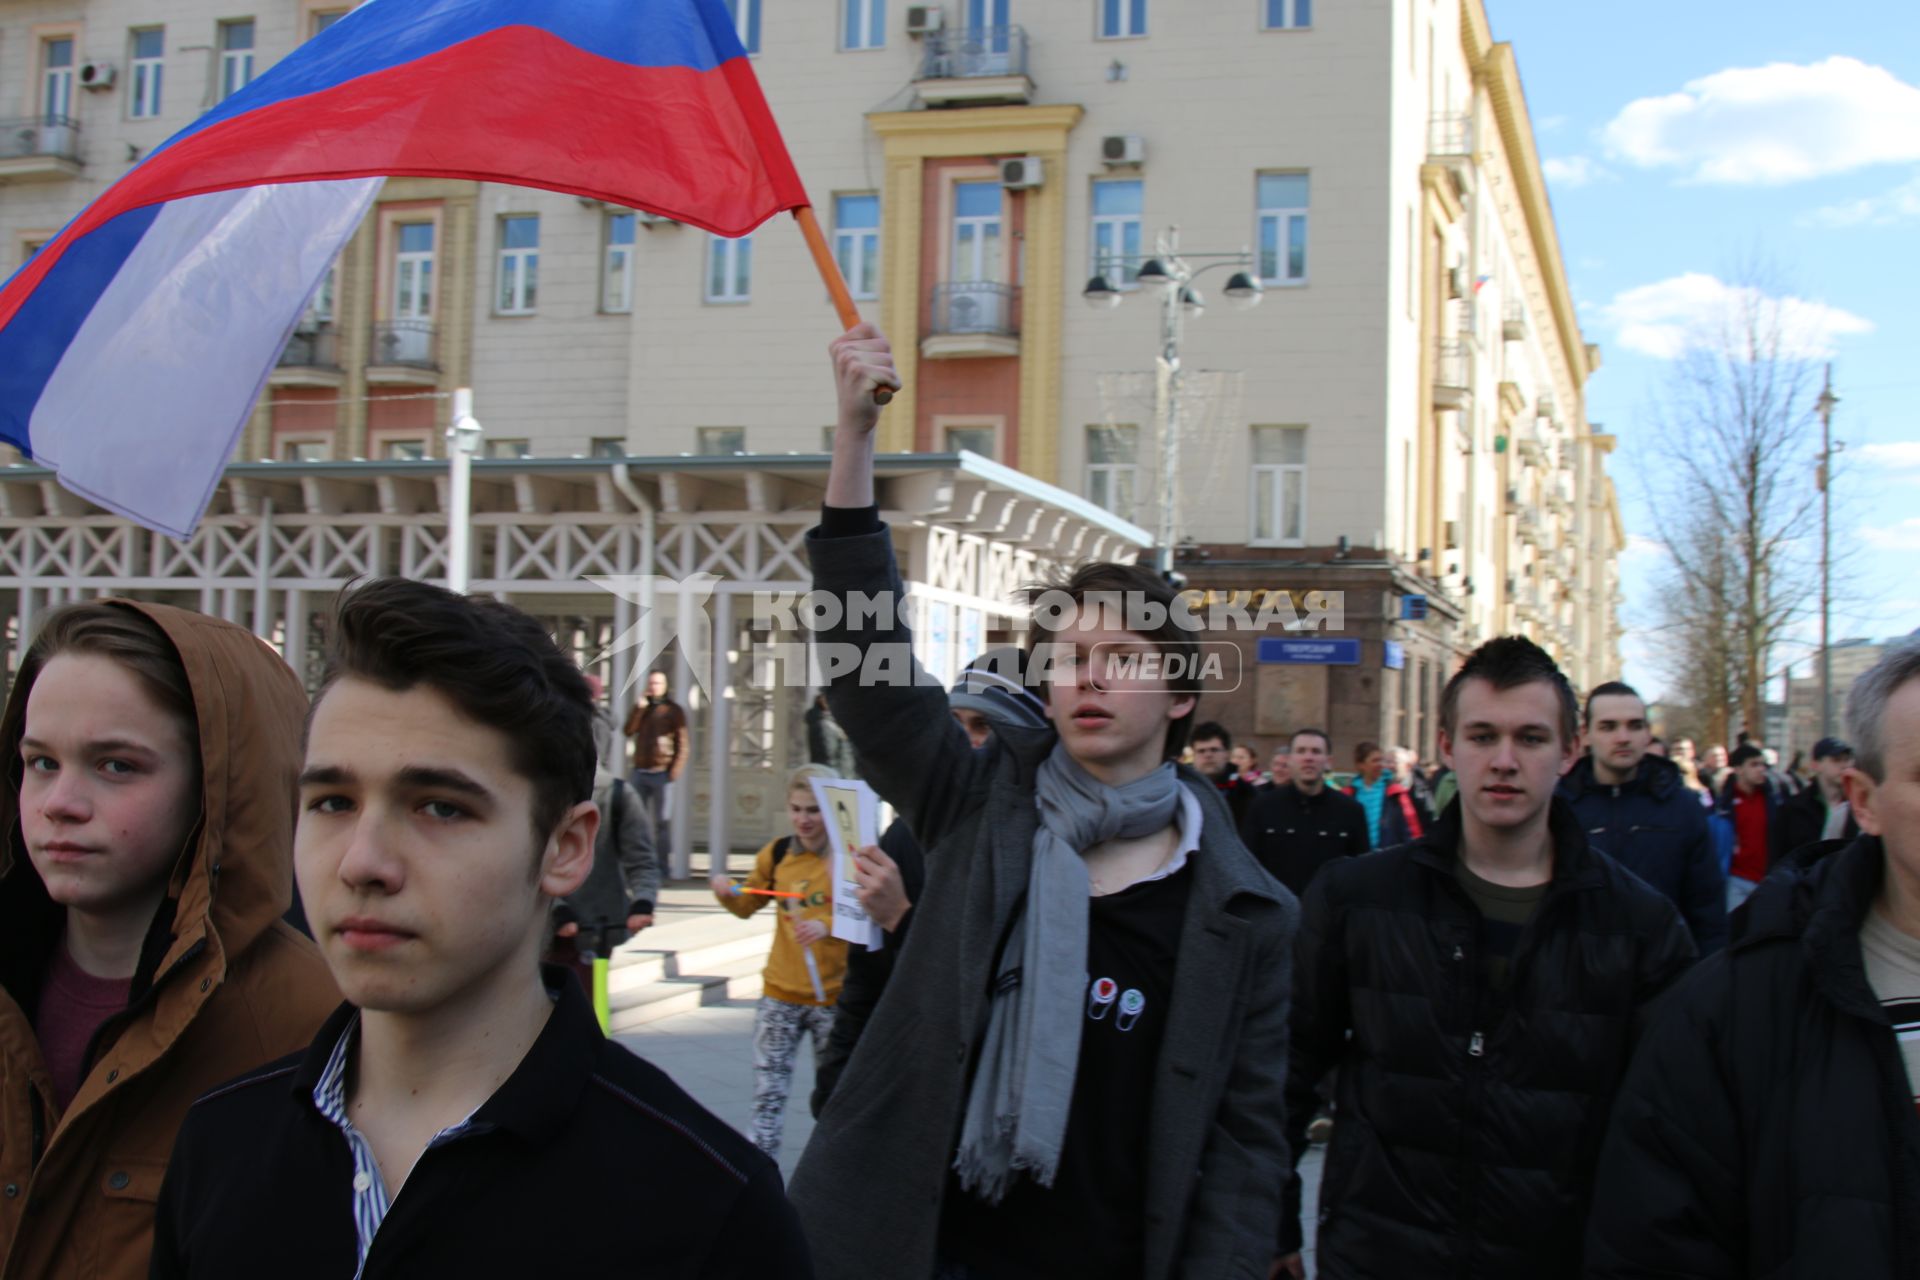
(1507, 662)
(1211, 731)
(1365, 749)
(112, 629)
(1611, 689)
(1744, 752)
(1326, 743)
(493, 662)
(1122, 581)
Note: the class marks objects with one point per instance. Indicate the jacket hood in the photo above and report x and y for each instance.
(1656, 776)
(236, 878)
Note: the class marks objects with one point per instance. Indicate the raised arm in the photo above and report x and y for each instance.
(894, 713)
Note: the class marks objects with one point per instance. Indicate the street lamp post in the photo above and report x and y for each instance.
(1172, 273)
(1824, 407)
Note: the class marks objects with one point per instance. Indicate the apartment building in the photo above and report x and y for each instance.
(1400, 419)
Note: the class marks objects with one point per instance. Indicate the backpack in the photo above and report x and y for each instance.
(780, 848)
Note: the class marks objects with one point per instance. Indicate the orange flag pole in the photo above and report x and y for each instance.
(830, 275)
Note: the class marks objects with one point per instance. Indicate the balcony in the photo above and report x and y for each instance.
(39, 149)
(974, 66)
(969, 319)
(1469, 322)
(402, 351)
(1452, 376)
(1513, 323)
(311, 358)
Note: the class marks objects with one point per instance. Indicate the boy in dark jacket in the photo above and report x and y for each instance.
(1476, 990)
(1078, 1066)
(444, 805)
(1768, 1126)
(1635, 809)
(1296, 827)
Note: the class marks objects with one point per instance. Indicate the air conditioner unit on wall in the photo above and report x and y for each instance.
(97, 75)
(1021, 173)
(1123, 148)
(925, 19)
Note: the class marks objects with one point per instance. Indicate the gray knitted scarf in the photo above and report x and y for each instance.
(1017, 1111)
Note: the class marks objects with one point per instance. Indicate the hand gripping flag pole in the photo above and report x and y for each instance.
(835, 282)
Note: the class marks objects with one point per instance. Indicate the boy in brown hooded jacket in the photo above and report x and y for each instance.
(151, 756)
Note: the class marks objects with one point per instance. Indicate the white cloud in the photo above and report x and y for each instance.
(1667, 318)
(1548, 124)
(1899, 455)
(1573, 171)
(1779, 123)
(1902, 536)
(1897, 205)
(1643, 549)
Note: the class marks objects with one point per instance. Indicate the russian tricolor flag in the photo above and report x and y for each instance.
(134, 345)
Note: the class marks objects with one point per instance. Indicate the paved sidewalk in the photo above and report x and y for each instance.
(709, 1052)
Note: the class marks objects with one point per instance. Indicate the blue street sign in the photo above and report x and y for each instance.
(1413, 608)
(1393, 655)
(1332, 653)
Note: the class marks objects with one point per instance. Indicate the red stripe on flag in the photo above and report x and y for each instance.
(516, 106)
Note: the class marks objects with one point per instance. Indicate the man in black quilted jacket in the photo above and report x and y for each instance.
(1477, 991)
(1770, 1126)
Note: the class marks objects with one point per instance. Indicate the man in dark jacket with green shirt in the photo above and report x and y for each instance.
(1078, 1066)
(1768, 1126)
(1635, 809)
(1476, 990)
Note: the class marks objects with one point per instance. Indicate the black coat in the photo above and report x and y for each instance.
(1294, 834)
(869, 971)
(1466, 1124)
(1799, 821)
(1656, 828)
(1767, 1127)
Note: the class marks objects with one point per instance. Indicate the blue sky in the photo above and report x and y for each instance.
(1683, 139)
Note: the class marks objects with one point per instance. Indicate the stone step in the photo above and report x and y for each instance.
(635, 1007)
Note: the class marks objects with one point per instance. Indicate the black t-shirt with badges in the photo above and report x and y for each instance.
(1091, 1221)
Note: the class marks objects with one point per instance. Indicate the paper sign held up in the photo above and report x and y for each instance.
(852, 813)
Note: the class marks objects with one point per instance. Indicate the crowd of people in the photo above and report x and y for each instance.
(273, 999)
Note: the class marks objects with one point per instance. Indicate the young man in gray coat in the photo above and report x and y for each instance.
(1078, 1067)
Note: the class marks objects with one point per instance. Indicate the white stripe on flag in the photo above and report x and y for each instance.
(145, 407)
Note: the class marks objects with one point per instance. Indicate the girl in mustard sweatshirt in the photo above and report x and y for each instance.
(795, 875)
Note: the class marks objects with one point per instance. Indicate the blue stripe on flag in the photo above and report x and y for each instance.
(34, 344)
(384, 34)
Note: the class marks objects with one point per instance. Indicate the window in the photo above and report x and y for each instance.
(746, 21)
(722, 441)
(1113, 456)
(1277, 15)
(509, 449)
(406, 450)
(1283, 228)
(56, 72)
(976, 231)
(236, 57)
(320, 306)
(145, 66)
(321, 21)
(1122, 18)
(413, 271)
(1280, 486)
(866, 25)
(1116, 231)
(519, 265)
(306, 451)
(856, 242)
(616, 276)
(608, 447)
(729, 269)
(983, 440)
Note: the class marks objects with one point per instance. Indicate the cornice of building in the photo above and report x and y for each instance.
(1494, 64)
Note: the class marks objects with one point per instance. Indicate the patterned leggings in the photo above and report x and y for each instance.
(777, 1027)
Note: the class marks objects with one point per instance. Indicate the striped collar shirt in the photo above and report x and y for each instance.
(370, 1198)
